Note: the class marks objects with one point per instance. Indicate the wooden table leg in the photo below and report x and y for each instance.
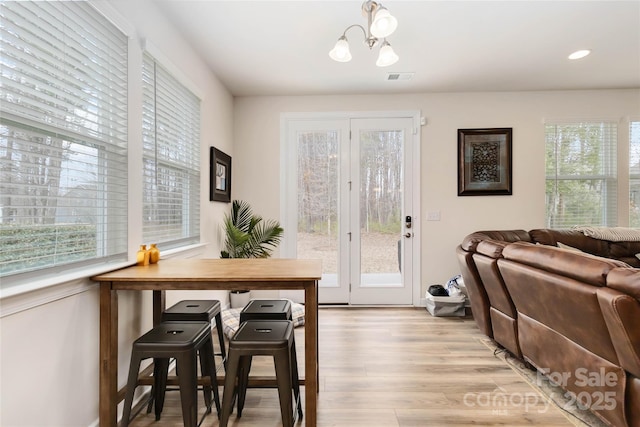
(159, 304)
(108, 409)
(311, 354)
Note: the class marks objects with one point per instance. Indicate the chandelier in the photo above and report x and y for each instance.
(380, 24)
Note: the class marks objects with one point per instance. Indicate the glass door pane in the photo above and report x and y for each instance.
(318, 191)
(318, 198)
(381, 246)
(380, 207)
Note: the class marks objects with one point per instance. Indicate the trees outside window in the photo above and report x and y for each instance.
(581, 174)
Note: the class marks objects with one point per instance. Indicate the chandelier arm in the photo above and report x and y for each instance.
(369, 40)
(344, 33)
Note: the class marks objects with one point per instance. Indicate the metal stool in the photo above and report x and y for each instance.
(266, 309)
(195, 311)
(263, 338)
(199, 311)
(184, 342)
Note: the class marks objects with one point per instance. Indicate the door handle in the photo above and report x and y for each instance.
(408, 235)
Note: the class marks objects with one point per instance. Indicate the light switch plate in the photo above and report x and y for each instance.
(433, 216)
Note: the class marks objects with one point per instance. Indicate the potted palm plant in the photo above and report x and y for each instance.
(247, 235)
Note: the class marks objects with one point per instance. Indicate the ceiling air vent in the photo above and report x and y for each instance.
(400, 76)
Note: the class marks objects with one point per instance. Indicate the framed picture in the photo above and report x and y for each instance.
(484, 162)
(220, 176)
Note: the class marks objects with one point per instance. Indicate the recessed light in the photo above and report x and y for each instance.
(579, 54)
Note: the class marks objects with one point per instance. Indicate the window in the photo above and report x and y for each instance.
(171, 158)
(63, 133)
(581, 176)
(634, 174)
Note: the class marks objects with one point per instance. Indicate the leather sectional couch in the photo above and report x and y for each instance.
(574, 315)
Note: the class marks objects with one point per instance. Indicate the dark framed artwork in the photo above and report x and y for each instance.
(484, 162)
(220, 176)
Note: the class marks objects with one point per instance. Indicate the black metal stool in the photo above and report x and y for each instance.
(263, 338)
(200, 311)
(184, 342)
(266, 309)
(195, 311)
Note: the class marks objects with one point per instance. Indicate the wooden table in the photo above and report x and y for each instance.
(199, 274)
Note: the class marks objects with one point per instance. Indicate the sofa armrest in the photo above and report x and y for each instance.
(470, 242)
(621, 313)
(625, 280)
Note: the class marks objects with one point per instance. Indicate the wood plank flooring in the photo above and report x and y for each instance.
(396, 367)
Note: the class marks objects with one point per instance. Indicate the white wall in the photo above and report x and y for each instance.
(49, 338)
(257, 147)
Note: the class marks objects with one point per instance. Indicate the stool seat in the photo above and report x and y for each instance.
(262, 338)
(184, 342)
(198, 310)
(266, 309)
(267, 335)
(194, 310)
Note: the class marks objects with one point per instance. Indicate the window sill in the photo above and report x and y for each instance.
(46, 289)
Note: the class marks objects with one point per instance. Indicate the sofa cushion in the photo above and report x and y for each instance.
(612, 234)
(571, 248)
(573, 238)
(580, 266)
(491, 248)
(625, 251)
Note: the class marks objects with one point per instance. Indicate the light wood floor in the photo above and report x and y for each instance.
(397, 367)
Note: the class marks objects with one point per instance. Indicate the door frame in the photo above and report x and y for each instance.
(288, 185)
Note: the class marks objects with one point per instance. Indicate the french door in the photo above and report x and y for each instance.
(349, 203)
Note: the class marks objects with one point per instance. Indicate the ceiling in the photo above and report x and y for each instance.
(281, 47)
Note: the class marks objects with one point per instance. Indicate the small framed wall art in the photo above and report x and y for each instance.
(220, 176)
(484, 162)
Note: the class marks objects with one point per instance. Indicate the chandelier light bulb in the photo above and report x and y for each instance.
(380, 24)
(384, 24)
(387, 56)
(340, 51)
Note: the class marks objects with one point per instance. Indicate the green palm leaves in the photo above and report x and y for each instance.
(248, 235)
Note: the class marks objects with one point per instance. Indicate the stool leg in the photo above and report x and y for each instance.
(208, 368)
(233, 360)
(152, 397)
(243, 381)
(283, 377)
(132, 382)
(205, 369)
(188, 387)
(295, 378)
(219, 327)
(160, 374)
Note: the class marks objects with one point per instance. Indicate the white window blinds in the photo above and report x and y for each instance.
(171, 155)
(63, 133)
(581, 175)
(634, 174)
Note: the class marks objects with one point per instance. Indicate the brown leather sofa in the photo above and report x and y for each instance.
(501, 321)
(565, 312)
